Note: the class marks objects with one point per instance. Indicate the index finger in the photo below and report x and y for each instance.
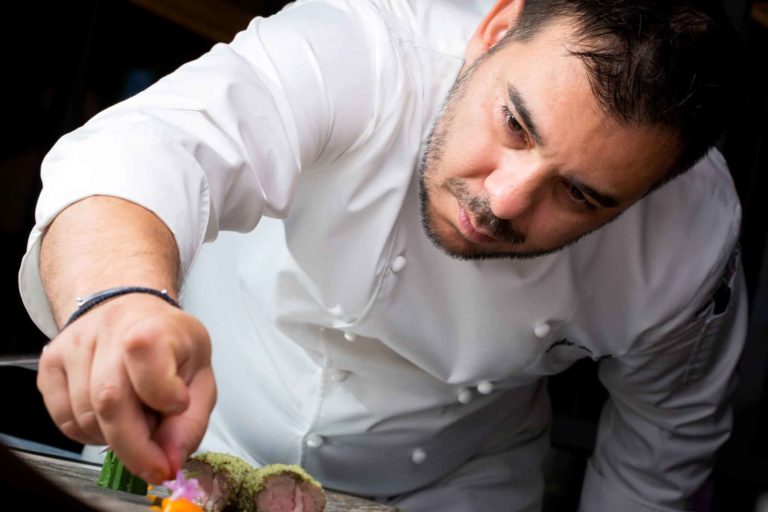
(154, 352)
(125, 425)
(180, 434)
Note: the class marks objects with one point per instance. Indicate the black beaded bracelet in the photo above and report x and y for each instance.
(86, 304)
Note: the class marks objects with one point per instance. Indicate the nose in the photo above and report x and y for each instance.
(513, 191)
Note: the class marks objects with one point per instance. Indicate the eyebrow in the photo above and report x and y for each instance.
(603, 199)
(525, 115)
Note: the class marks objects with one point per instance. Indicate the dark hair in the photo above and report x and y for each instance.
(674, 63)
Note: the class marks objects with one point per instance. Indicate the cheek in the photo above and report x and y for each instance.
(553, 227)
(471, 147)
(464, 161)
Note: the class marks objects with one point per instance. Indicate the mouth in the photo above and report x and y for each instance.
(469, 231)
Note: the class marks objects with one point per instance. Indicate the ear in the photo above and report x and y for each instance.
(493, 27)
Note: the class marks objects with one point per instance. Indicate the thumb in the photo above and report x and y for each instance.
(180, 434)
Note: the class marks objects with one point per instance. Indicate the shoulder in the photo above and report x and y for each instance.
(652, 268)
(439, 26)
(379, 63)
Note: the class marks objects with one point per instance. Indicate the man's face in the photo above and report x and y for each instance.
(522, 160)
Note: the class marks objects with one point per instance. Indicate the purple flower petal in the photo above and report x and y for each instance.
(182, 487)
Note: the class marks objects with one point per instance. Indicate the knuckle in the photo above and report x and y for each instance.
(87, 420)
(71, 429)
(81, 342)
(197, 326)
(54, 353)
(40, 380)
(46, 379)
(201, 336)
(138, 340)
(202, 331)
(106, 400)
(49, 358)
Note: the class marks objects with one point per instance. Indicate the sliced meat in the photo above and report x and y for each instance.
(282, 488)
(233, 485)
(217, 487)
(278, 494)
(221, 477)
(313, 497)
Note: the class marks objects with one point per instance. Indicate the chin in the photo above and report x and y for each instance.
(471, 252)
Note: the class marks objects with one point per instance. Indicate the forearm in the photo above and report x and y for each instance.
(103, 242)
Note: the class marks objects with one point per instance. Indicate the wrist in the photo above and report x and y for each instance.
(85, 304)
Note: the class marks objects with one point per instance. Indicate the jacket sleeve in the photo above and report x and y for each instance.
(669, 409)
(222, 140)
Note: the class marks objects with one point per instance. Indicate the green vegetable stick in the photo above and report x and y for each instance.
(115, 476)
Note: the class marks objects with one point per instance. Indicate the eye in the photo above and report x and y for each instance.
(578, 197)
(513, 125)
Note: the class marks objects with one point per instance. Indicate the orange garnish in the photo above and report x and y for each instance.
(180, 505)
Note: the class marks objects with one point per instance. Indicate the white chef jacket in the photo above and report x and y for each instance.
(343, 339)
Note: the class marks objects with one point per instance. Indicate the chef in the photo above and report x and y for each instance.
(386, 222)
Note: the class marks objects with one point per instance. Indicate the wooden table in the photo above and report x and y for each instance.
(80, 480)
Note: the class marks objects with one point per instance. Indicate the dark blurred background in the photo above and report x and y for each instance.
(64, 61)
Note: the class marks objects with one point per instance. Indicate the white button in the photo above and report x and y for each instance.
(350, 336)
(338, 375)
(398, 263)
(465, 395)
(315, 440)
(418, 456)
(485, 387)
(542, 330)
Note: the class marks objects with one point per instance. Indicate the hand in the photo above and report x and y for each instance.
(134, 373)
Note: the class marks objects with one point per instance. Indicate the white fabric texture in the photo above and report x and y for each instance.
(309, 125)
